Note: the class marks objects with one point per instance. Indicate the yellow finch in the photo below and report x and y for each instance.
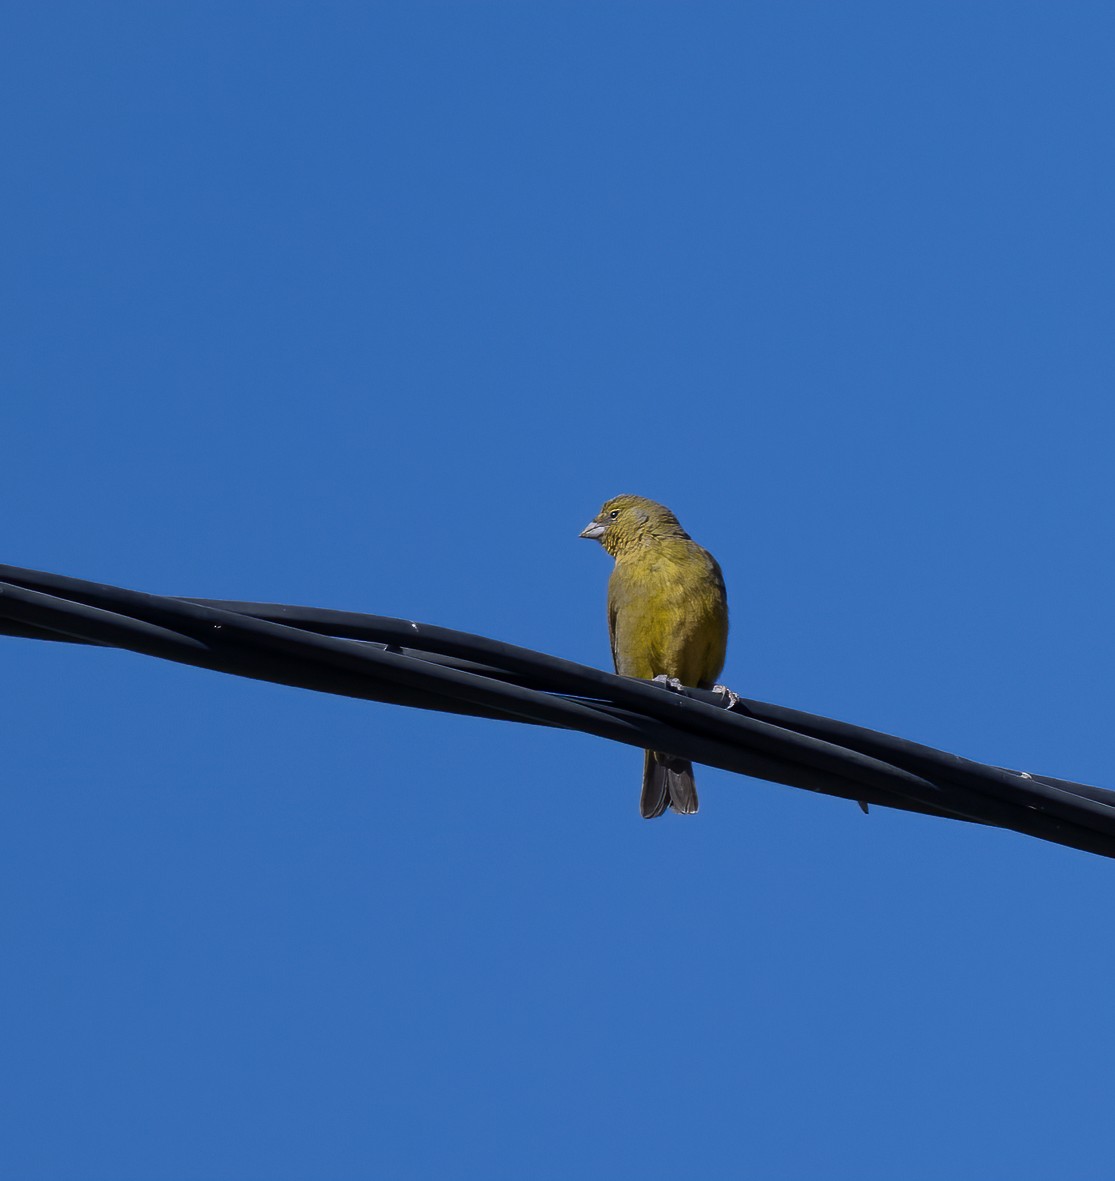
(667, 618)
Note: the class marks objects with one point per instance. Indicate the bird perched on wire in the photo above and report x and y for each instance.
(667, 619)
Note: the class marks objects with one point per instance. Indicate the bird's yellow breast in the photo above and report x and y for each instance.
(668, 612)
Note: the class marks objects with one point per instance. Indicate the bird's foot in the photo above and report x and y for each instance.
(669, 682)
(731, 700)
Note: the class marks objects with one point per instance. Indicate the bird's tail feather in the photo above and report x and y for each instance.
(667, 780)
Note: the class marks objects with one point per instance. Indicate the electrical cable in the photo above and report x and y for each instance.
(401, 662)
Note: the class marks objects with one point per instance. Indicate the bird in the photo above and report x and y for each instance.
(667, 621)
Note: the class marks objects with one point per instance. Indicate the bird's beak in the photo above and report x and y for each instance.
(593, 531)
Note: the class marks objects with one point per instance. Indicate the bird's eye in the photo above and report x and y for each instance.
(614, 513)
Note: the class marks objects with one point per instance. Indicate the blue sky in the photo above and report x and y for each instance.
(370, 307)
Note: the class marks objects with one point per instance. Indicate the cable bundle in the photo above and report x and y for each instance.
(411, 664)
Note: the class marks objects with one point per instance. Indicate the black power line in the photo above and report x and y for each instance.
(405, 663)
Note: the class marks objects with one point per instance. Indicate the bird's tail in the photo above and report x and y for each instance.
(667, 780)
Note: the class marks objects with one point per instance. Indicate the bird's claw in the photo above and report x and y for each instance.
(669, 682)
(731, 700)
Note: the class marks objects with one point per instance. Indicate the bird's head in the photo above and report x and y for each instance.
(627, 521)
